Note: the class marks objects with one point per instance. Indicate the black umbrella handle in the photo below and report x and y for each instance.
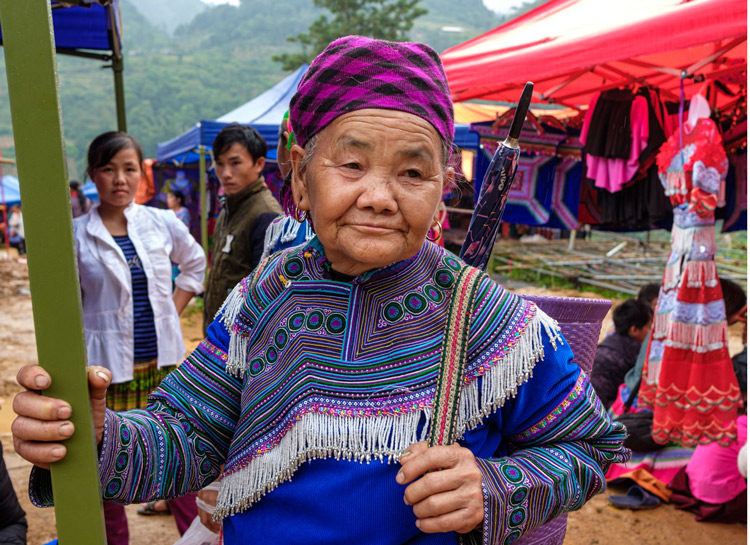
(520, 116)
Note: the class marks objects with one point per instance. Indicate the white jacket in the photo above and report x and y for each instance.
(106, 289)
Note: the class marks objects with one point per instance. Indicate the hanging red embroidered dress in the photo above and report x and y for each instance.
(688, 378)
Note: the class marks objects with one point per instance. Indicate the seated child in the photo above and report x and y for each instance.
(617, 354)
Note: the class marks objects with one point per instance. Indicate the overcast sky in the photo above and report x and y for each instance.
(500, 6)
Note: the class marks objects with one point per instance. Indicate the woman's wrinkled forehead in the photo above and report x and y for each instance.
(355, 73)
(370, 129)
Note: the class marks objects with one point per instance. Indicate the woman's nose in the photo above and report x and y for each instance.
(378, 194)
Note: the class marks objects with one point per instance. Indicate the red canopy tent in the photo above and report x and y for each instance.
(572, 48)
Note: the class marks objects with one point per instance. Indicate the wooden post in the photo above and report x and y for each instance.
(203, 204)
(31, 69)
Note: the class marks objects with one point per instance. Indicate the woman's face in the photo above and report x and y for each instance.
(117, 181)
(372, 187)
(172, 202)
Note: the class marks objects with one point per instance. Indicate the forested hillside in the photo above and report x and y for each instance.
(177, 74)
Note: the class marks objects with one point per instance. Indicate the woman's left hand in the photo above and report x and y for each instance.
(446, 487)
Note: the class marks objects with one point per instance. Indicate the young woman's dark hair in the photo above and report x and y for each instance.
(179, 196)
(75, 185)
(631, 313)
(107, 145)
(243, 134)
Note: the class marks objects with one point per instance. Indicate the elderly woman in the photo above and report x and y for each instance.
(315, 387)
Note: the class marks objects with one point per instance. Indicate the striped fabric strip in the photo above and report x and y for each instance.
(455, 343)
(560, 464)
(144, 330)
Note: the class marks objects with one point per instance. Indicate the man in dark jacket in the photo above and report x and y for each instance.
(12, 517)
(617, 354)
(239, 157)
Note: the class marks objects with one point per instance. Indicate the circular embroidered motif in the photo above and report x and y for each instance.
(335, 323)
(433, 294)
(517, 516)
(314, 320)
(124, 436)
(121, 462)
(444, 278)
(415, 303)
(114, 486)
(512, 473)
(257, 366)
(393, 312)
(452, 263)
(296, 321)
(272, 354)
(519, 495)
(512, 537)
(293, 267)
(206, 466)
(281, 338)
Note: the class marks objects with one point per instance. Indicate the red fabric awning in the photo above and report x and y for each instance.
(573, 48)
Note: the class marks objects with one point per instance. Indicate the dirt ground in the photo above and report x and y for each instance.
(596, 523)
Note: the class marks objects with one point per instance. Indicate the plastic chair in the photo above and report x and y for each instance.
(580, 323)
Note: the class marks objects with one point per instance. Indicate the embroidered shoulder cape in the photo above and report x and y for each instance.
(350, 369)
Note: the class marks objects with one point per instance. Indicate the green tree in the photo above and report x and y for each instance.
(382, 19)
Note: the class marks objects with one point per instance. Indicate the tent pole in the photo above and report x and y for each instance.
(55, 292)
(204, 207)
(117, 68)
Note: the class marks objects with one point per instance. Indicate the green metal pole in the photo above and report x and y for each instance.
(204, 204)
(117, 69)
(55, 293)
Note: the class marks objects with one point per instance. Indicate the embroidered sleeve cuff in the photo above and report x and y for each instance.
(40, 487)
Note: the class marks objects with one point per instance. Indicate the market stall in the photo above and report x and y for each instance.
(583, 52)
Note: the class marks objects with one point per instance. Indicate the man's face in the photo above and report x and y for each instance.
(236, 169)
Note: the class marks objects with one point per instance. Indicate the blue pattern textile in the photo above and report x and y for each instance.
(144, 330)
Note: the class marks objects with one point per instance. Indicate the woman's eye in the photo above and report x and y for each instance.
(413, 173)
(354, 166)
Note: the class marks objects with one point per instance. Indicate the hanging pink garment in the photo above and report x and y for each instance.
(613, 174)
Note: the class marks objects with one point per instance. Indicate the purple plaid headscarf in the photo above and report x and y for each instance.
(354, 73)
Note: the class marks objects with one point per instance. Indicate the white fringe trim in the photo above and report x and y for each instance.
(697, 334)
(238, 344)
(284, 229)
(364, 439)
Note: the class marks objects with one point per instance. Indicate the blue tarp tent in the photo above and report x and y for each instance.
(264, 113)
(93, 30)
(11, 190)
(85, 27)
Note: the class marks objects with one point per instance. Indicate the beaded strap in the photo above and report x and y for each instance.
(455, 344)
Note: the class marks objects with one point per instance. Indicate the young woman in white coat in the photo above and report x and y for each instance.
(130, 312)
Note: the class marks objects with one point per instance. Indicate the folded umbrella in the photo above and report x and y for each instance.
(485, 221)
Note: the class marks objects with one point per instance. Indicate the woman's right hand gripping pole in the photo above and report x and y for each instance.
(43, 422)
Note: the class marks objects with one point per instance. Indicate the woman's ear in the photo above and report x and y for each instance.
(299, 181)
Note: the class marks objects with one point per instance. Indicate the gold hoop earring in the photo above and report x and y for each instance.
(439, 227)
(300, 215)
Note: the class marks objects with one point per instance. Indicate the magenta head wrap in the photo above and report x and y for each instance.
(354, 73)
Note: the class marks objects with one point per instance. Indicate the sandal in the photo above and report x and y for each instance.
(637, 499)
(150, 510)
